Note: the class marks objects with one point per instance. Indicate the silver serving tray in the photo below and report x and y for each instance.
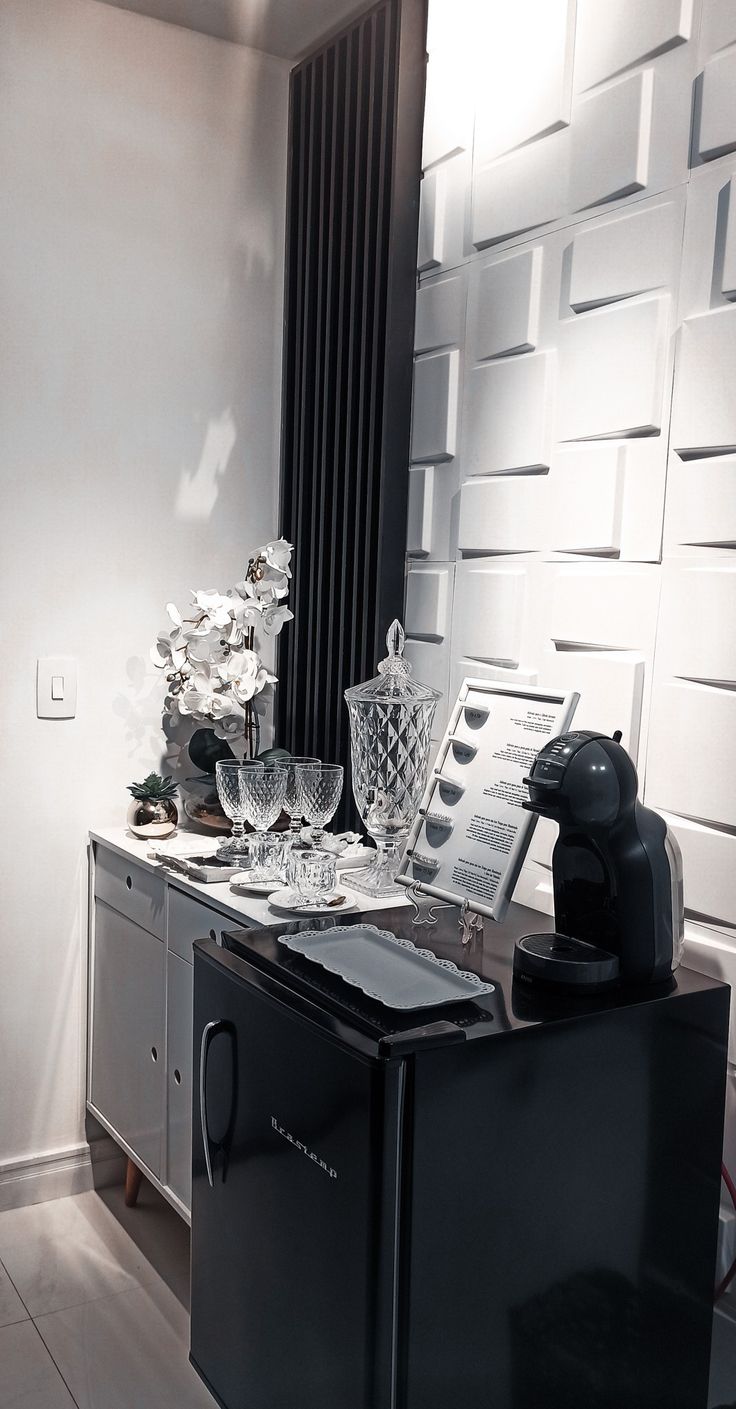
(386, 967)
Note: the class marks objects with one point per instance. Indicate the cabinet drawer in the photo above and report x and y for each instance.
(189, 920)
(130, 889)
(128, 1057)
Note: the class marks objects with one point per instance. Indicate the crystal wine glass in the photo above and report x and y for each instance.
(319, 789)
(291, 801)
(264, 789)
(229, 778)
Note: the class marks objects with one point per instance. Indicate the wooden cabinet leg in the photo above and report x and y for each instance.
(133, 1180)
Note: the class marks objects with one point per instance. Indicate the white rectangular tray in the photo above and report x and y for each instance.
(386, 967)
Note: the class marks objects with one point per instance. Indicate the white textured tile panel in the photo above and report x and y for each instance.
(421, 504)
(612, 37)
(708, 868)
(644, 462)
(614, 259)
(585, 504)
(508, 414)
(440, 313)
(604, 604)
(448, 107)
(691, 759)
(704, 410)
(610, 685)
(528, 90)
(428, 599)
(488, 612)
(701, 501)
(696, 635)
(728, 272)
(717, 127)
(611, 370)
(503, 305)
(521, 191)
(718, 25)
(434, 411)
(502, 513)
(430, 664)
(610, 141)
(431, 221)
(466, 667)
(30, 1379)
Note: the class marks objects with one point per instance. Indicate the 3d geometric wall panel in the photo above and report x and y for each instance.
(544, 49)
(717, 129)
(434, 414)
(502, 514)
(440, 314)
(612, 365)
(489, 612)
(696, 636)
(574, 442)
(701, 505)
(629, 255)
(704, 411)
(428, 600)
(506, 414)
(610, 38)
(610, 141)
(522, 191)
(503, 307)
(691, 761)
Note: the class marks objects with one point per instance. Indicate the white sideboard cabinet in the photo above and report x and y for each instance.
(143, 923)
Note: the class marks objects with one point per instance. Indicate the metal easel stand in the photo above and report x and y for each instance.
(470, 924)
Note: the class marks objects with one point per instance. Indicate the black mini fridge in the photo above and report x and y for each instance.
(505, 1203)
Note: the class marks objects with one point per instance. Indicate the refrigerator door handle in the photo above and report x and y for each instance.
(209, 1031)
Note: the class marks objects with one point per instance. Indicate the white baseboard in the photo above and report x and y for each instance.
(57, 1173)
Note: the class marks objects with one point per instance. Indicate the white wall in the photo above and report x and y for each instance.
(141, 259)
(573, 492)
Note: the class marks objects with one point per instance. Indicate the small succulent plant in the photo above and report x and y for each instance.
(154, 788)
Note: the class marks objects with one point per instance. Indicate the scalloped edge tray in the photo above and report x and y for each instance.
(386, 967)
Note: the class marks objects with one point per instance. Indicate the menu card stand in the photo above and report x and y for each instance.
(471, 834)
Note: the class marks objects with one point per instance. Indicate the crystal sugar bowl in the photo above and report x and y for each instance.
(390, 731)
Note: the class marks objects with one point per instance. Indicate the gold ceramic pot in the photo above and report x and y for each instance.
(154, 817)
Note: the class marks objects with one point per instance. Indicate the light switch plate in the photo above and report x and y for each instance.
(56, 687)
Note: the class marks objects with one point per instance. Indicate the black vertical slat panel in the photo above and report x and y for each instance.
(354, 170)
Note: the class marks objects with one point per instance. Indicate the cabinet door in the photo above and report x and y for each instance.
(179, 981)
(127, 1075)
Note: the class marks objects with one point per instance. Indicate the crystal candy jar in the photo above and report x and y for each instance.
(390, 731)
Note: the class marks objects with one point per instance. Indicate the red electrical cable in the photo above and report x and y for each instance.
(731, 1273)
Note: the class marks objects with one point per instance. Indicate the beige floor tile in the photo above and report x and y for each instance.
(158, 1233)
(29, 1378)
(128, 1351)
(11, 1306)
(68, 1251)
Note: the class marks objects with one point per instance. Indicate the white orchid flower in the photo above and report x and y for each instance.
(274, 618)
(278, 555)
(174, 614)
(244, 675)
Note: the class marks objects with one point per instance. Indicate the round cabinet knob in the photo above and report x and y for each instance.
(177, 1076)
(129, 882)
(154, 1053)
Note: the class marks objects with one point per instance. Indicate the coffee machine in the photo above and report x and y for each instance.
(616, 869)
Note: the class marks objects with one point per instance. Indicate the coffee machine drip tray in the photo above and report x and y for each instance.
(566, 963)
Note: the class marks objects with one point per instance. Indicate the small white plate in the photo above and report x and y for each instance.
(282, 900)
(243, 886)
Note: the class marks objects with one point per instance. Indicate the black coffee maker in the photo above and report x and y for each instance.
(616, 868)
